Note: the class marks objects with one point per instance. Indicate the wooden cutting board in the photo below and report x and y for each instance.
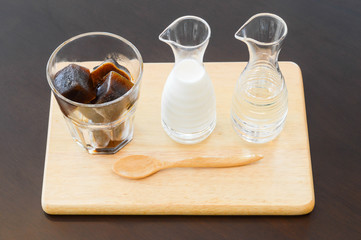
(76, 182)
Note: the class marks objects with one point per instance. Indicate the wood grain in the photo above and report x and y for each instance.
(280, 184)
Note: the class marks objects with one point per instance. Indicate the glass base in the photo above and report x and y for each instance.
(255, 134)
(109, 149)
(102, 138)
(189, 138)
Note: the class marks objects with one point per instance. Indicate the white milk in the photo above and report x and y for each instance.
(188, 101)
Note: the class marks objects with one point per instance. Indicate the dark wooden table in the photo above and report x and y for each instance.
(324, 39)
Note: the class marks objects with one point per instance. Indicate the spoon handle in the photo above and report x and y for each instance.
(220, 162)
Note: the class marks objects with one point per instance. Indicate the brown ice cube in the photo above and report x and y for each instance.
(90, 115)
(74, 83)
(114, 86)
(99, 138)
(99, 72)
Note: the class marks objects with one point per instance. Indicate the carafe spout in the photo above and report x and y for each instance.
(264, 34)
(188, 37)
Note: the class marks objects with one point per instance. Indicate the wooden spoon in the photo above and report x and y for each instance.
(141, 166)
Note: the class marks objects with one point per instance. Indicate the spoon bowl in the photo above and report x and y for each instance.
(136, 166)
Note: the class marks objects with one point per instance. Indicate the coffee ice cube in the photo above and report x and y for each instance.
(114, 86)
(74, 83)
(99, 138)
(99, 72)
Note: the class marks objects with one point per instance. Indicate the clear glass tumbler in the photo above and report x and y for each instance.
(107, 127)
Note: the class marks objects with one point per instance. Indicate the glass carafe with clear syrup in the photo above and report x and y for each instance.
(259, 103)
(188, 107)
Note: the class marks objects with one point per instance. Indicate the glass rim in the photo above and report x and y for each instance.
(91, 105)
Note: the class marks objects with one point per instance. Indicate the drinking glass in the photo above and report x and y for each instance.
(107, 127)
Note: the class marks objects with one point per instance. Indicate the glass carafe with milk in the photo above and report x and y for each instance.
(188, 108)
(259, 103)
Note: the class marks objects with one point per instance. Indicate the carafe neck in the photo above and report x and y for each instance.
(265, 54)
(186, 52)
